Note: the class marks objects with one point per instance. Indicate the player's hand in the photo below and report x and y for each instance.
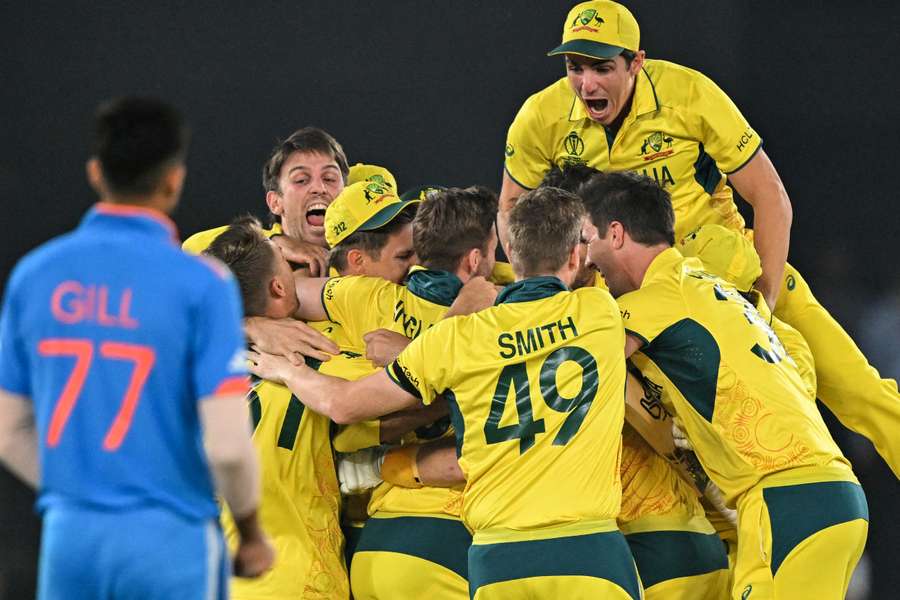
(290, 338)
(300, 252)
(270, 366)
(384, 346)
(679, 437)
(477, 294)
(254, 556)
(361, 470)
(715, 497)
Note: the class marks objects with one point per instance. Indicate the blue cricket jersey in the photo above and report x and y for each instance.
(116, 334)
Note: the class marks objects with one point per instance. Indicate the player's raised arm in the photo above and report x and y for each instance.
(309, 292)
(342, 401)
(18, 437)
(759, 184)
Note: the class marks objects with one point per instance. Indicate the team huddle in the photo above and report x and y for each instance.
(596, 384)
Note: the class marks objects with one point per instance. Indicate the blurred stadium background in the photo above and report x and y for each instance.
(428, 90)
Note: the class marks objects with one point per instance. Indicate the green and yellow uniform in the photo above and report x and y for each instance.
(300, 502)
(536, 387)
(760, 439)
(683, 131)
(414, 544)
(678, 554)
(201, 240)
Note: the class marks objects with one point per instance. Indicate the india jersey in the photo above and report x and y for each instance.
(682, 130)
(115, 334)
(362, 304)
(726, 374)
(536, 387)
(300, 501)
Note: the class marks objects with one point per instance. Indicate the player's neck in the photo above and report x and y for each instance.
(155, 202)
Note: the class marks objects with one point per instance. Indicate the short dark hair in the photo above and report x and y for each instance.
(628, 55)
(450, 223)
(642, 207)
(307, 139)
(136, 139)
(569, 178)
(249, 254)
(544, 227)
(370, 242)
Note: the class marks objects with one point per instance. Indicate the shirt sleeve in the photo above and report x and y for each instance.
(645, 311)
(13, 354)
(724, 132)
(415, 373)
(219, 364)
(527, 155)
(352, 301)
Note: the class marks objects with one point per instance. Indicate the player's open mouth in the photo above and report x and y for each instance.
(598, 106)
(315, 214)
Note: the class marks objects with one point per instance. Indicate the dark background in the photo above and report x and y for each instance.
(428, 89)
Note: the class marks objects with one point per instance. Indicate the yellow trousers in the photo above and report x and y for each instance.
(799, 540)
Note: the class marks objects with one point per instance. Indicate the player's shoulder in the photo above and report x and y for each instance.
(358, 285)
(676, 85)
(553, 103)
(40, 260)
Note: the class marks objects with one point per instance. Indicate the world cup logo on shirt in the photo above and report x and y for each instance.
(584, 19)
(573, 144)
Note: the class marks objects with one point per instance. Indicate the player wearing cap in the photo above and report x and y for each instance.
(122, 383)
(802, 516)
(616, 110)
(414, 540)
(535, 386)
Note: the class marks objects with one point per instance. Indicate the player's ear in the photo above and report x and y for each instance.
(276, 288)
(356, 260)
(616, 233)
(574, 261)
(173, 181)
(95, 175)
(637, 62)
(275, 203)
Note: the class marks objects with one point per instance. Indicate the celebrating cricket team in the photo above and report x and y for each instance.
(598, 384)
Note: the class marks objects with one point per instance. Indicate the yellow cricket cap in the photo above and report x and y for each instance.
(363, 206)
(372, 174)
(599, 29)
(725, 253)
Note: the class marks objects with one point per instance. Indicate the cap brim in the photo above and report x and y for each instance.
(385, 215)
(587, 48)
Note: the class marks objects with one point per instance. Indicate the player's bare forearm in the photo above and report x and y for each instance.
(760, 185)
(509, 193)
(342, 401)
(438, 465)
(18, 437)
(395, 425)
(309, 292)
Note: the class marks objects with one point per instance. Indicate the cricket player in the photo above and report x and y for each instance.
(535, 385)
(616, 110)
(802, 515)
(414, 542)
(301, 177)
(122, 379)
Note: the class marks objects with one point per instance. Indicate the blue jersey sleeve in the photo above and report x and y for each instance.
(13, 354)
(219, 366)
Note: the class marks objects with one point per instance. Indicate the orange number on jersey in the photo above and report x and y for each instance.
(143, 358)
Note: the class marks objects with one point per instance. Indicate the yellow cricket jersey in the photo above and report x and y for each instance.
(682, 130)
(726, 374)
(300, 501)
(536, 387)
(653, 492)
(362, 304)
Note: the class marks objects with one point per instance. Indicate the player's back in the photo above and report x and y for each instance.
(116, 328)
(536, 388)
(744, 401)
